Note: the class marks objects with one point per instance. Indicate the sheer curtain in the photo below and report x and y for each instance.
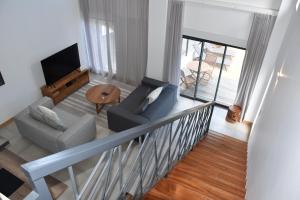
(117, 37)
(260, 33)
(173, 41)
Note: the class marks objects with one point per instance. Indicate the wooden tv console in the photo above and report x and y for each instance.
(66, 86)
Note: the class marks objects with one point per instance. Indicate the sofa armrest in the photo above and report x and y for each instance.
(84, 130)
(45, 101)
(36, 131)
(120, 119)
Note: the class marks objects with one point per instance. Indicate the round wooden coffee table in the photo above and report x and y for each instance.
(103, 94)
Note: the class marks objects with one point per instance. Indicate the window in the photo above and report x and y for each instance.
(210, 71)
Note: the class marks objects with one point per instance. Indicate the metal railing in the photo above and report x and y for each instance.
(130, 161)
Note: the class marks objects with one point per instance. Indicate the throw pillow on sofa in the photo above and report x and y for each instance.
(35, 113)
(51, 118)
(154, 94)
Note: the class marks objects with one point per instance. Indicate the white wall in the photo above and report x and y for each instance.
(274, 150)
(30, 31)
(158, 10)
(267, 67)
(217, 23)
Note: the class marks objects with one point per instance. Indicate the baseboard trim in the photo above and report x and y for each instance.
(6, 123)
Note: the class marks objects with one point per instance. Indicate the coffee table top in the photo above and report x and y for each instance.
(103, 94)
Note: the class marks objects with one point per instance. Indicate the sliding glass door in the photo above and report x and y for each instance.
(210, 71)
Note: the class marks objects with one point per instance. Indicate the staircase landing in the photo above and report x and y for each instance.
(215, 169)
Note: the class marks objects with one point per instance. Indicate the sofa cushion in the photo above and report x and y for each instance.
(68, 118)
(154, 94)
(143, 106)
(51, 118)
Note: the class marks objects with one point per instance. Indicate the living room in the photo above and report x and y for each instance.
(143, 95)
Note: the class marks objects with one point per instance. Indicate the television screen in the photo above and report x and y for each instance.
(60, 64)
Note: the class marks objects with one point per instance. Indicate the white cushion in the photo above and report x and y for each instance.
(50, 118)
(154, 94)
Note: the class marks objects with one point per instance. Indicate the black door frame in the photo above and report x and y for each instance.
(199, 67)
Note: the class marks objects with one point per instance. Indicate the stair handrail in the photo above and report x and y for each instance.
(38, 169)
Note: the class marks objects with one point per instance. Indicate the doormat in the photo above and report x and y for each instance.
(8, 182)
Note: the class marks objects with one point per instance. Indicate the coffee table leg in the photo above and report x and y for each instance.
(99, 107)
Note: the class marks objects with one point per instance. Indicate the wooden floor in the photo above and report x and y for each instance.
(215, 169)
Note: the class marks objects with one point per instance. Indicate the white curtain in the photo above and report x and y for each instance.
(260, 33)
(173, 41)
(117, 37)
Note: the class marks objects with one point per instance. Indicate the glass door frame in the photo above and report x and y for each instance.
(199, 67)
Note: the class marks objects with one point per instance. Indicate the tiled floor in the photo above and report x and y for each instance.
(218, 124)
(236, 130)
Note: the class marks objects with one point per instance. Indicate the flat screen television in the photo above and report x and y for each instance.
(60, 64)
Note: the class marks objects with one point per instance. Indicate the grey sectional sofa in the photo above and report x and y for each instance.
(80, 129)
(124, 116)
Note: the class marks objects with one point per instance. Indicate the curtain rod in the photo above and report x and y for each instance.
(235, 6)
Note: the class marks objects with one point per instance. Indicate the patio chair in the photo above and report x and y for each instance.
(211, 58)
(187, 80)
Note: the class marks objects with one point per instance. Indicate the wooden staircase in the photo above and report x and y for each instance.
(215, 169)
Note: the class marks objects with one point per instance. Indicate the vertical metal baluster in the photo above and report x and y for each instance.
(178, 142)
(170, 145)
(182, 135)
(108, 174)
(120, 167)
(117, 176)
(186, 134)
(198, 136)
(211, 111)
(73, 182)
(155, 156)
(128, 183)
(190, 132)
(41, 188)
(193, 132)
(141, 165)
(192, 139)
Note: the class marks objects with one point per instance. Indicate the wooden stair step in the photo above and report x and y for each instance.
(212, 173)
(227, 138)
(223, 147)
(238, 174)
(168, 189)
(195, 184)
(231, 145)
(234, 174)
(202, 178)
(219, 159)
(238, 159)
